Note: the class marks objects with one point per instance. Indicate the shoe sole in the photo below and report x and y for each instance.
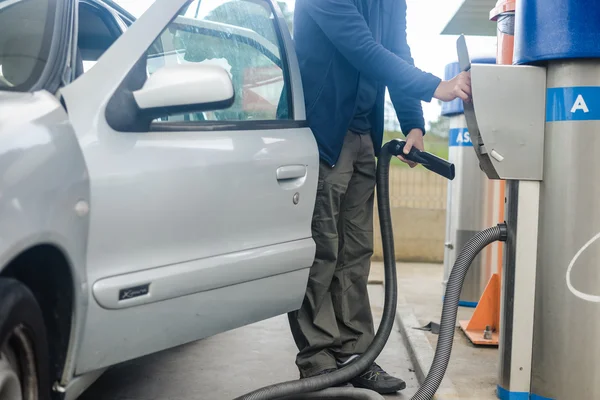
(390, 390)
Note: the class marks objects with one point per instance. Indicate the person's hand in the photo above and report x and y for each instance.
(457, 87)
(413, 139)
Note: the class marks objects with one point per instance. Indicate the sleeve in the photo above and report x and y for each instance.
(345, 27)
(408, 108)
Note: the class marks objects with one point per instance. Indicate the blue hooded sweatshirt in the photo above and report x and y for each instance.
(335, 45)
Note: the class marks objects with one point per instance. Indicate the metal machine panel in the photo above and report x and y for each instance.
(506, 117)
(509, 102)
(518, 288)
(566, 349)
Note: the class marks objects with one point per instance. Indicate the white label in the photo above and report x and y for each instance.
(580, 105)
(583, 296)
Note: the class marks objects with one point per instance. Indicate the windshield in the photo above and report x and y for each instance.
(25, 35)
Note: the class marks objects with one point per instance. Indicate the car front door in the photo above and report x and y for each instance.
(200, 222)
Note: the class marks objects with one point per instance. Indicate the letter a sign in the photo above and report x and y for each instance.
(580, 105)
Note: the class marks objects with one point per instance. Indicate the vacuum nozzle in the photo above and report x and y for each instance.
(428, 160)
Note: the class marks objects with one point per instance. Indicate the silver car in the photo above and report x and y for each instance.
(157, 182)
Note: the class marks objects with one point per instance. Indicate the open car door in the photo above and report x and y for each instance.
(201, 202)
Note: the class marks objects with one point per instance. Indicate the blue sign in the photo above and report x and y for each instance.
(459, 137)
(580, 103)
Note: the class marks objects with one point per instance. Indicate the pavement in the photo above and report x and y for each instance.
(233, 363)
(236, 362)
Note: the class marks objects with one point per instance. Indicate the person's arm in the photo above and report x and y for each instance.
(346, 28)
(408, 108)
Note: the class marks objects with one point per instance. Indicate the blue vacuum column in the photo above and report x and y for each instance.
(465, 203)
(565, 36)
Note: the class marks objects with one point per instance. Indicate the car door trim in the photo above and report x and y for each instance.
(199, 126)
(280, 25)
(182, 279)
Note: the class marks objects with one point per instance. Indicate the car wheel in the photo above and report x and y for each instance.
(24, 364)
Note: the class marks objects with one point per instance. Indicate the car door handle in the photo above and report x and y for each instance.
(288, 172)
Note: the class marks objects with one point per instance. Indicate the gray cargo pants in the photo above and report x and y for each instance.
(335, 320)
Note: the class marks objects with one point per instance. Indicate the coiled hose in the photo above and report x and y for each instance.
(294, 389)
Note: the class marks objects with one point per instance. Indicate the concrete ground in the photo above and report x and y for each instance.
(236, 362)
(231, 364)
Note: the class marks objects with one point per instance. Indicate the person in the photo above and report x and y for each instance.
(349, 51)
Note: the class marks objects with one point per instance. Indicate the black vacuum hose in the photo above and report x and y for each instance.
(450, 308)
(360, 364)
(293, 389)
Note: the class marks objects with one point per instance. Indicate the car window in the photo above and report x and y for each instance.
(25, 36)
(240, 36)
(97, 30)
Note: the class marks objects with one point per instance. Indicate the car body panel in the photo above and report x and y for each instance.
(217, 222)
(186, 319)
(210, 273)
(43, 184)
(179, 209)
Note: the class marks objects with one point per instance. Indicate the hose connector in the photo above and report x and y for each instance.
(433, 163)
(503, 232)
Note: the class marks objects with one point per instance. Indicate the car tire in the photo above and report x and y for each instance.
(23, 344)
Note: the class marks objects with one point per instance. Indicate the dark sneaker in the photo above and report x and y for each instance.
(376, 379)
(328, 371)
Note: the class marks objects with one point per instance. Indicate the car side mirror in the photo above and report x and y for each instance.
(182, 88)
